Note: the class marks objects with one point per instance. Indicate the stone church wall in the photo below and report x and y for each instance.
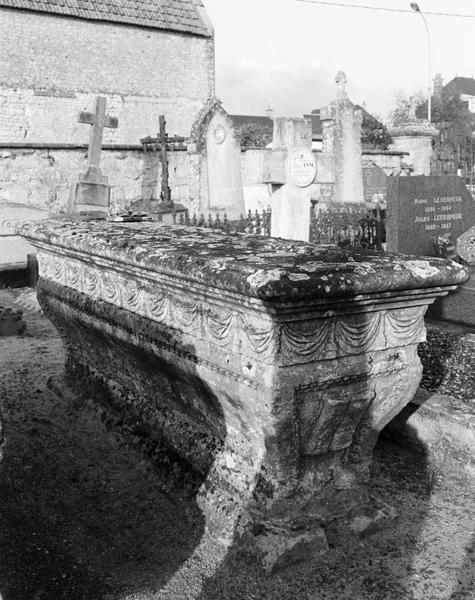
(51, 67)
(41, 177)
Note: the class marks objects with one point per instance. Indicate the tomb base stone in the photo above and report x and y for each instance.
(90, 196)
(263, 369)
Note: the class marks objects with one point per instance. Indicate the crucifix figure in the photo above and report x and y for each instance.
(98, 119)
(163, 142)
(165, 194)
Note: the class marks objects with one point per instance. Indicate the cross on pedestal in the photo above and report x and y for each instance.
(164, 143)
(167, 211)
(90, 194)
(290, 169)
(98, 119)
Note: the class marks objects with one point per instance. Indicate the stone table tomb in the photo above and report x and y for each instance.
(264, 368)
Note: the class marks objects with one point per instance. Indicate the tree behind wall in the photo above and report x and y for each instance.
(454, 150)
(253, 135)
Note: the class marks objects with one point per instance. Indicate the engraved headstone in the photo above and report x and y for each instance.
(293, 170)
(90, 194)
(421, 209)
(289, 170)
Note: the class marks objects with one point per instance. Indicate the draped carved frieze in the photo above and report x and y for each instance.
(239, 330)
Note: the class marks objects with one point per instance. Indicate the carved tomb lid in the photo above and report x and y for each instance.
(260, 267)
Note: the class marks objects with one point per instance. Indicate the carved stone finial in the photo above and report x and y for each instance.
(341, 81)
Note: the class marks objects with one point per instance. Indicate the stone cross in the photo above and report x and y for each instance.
(98, 119)
(90, 193)
(289, 169)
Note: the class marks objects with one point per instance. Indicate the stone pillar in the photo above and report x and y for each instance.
(341, 124)
(415, 136)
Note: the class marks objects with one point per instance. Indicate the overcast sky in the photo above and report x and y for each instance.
(286, 52)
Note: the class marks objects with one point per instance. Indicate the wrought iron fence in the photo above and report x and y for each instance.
(256, 223)
(353, 225)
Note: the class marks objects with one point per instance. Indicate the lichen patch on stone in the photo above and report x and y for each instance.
(421, 268)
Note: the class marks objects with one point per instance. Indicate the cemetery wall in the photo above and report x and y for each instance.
(41, 177)
(390, 162)
(52, 67)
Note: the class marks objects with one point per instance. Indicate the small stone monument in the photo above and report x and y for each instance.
(216, 185)
(341, 124)
(90, 194)
(414, 136)
(290, 172)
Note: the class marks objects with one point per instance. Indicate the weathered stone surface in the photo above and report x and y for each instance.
(415, 137)
(442, 424)
(11, 322)
(288, 171)
(466, 246)
(280, 548)
(263, 368)
(2, 437)
(341, 124)
(375, 185)
(215, 162)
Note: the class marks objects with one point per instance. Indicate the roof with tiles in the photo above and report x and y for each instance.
(175, 15)
(460, 85)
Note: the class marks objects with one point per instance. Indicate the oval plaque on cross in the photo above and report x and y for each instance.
(303, 167)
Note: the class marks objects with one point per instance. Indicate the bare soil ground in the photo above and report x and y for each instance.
(84, 516)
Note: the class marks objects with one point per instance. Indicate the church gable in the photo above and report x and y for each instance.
(175, 15)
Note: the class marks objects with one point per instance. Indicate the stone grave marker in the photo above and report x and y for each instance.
(14, 249)
(291, 192)
(167, 211)
(290, 169)
(341, 125)
(216, 163)
(421, 209)
(90, 194)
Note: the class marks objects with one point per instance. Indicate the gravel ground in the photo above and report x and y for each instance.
(83, 516)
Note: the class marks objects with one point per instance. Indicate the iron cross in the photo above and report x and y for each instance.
(164, 143)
